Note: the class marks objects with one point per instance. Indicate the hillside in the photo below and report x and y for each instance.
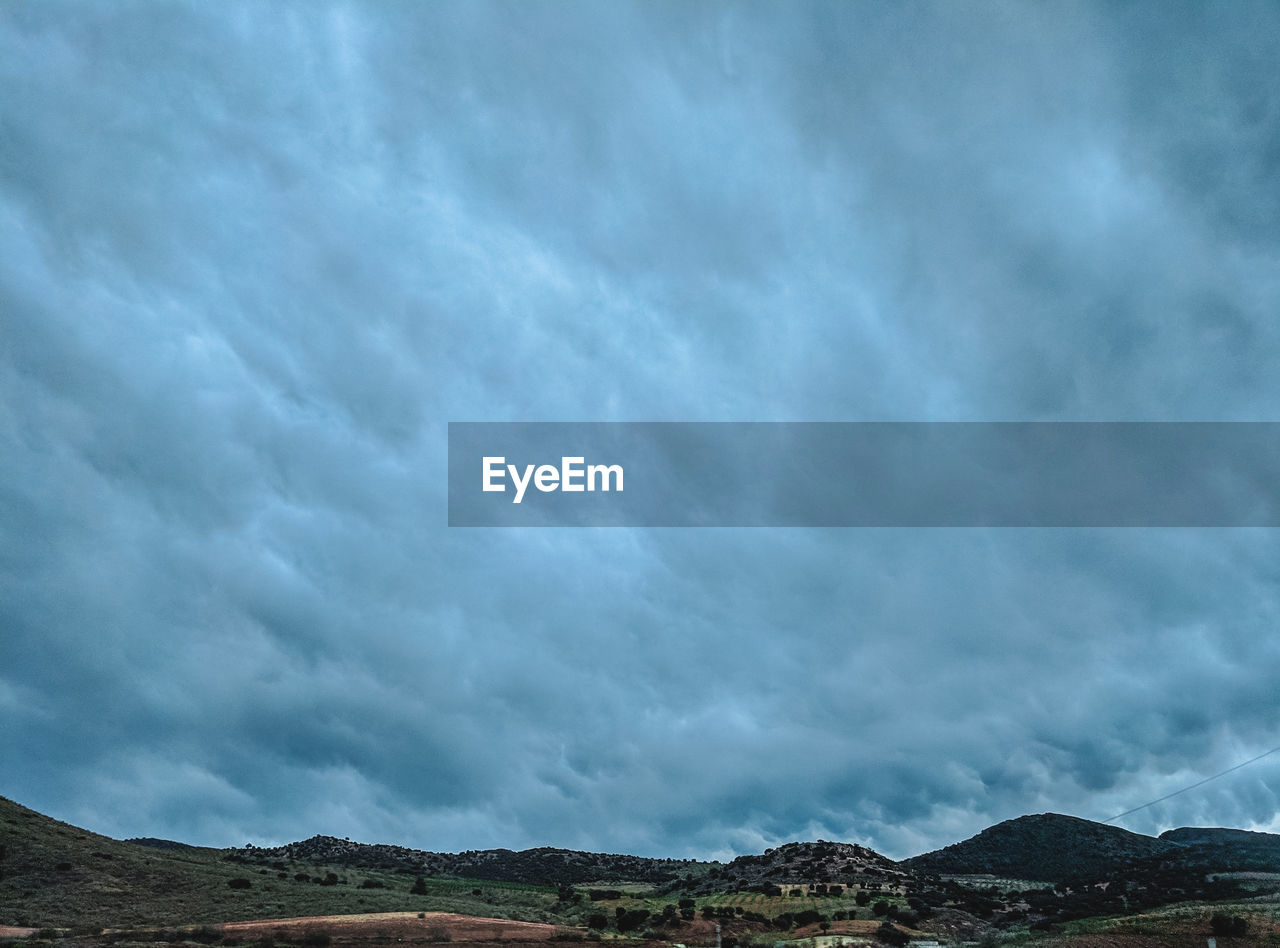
(543, 866)
(810, 864)
(1048, 847)
(55, 874)
(1216, 849)
(52, 873)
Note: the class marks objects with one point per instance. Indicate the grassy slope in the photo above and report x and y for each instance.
(55, 874)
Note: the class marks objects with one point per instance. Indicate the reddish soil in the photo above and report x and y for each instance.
(403, 928)
(9, 931)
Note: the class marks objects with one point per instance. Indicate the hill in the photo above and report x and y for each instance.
(807, 865)
(1216, 849)
(56, 874)
(542, 866)
(1048, 847)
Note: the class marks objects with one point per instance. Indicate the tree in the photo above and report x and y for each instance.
(892, 936)
(419, 886)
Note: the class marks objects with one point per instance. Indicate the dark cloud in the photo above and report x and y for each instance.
(253, 259)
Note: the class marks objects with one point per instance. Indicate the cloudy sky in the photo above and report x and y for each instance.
(254, 258)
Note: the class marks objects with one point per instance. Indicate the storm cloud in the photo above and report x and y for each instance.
(254, 258)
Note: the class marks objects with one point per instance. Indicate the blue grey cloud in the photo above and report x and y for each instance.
(254, 258)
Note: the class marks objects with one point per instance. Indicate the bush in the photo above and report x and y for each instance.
(316, 938)
(881, 908)
(1228, 924)
(419, 886)
(892, 936)
(239, 883)
(630, 920)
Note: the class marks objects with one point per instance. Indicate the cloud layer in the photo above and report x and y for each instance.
(254, 258)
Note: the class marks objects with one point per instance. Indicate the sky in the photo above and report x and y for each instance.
(255, 257)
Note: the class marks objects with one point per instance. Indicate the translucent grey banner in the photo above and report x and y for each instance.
(864, 474)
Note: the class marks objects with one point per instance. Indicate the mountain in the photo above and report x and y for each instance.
(1047, 847)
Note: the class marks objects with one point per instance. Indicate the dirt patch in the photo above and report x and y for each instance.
(9, 931)
(402, 928)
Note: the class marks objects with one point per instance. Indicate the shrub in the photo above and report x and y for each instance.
(239, 883)
(419, 886)
(890, 935)
(630, 920)
(1228, 924)
(316, 938)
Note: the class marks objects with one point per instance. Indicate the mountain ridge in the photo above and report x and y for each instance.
(53, 873)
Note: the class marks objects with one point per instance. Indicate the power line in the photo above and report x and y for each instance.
(1199, 783)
